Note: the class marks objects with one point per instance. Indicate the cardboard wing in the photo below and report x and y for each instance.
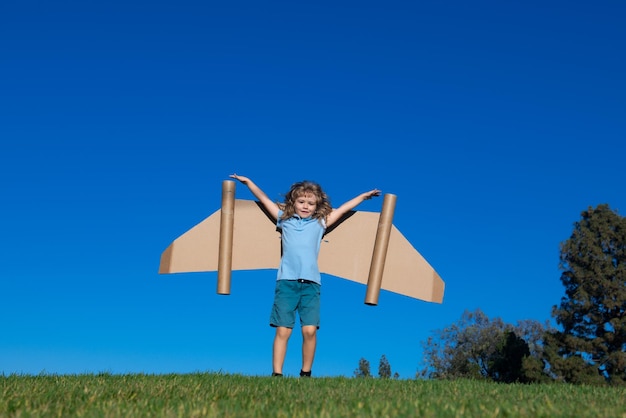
(348, 251)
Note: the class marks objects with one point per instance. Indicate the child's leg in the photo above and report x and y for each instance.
(309, 341)
(280, 348)
(283, 318)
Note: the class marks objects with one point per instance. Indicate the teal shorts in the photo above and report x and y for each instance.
(293, 296)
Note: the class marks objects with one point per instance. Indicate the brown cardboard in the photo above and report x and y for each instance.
(256, 243)
(346, 251)
(379, 254)
(227, 221)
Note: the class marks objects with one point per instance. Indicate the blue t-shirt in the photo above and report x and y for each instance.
(301, 240)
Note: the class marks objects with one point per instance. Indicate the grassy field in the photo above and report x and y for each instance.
(219, 395)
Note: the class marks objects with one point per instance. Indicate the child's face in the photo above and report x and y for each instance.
(305, 205)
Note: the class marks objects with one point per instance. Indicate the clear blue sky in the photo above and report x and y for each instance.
(495, 123)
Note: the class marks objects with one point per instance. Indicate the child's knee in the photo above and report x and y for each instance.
(283, 333)
(309, 331)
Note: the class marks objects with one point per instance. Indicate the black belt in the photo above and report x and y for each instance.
(305, 281)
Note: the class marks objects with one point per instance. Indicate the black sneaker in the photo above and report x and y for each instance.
(277, 374)
(305, 374)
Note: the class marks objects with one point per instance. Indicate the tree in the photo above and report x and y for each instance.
(479, 348)
(384, 368)
(592, 313)
(464, 348)
(363, 369)
(535, 366)
(507, 361)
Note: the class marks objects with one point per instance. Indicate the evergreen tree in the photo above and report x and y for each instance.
(364, 369)
(384, 368)
(507, 363)
(593, 311)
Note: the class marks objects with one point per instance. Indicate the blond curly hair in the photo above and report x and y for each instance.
(300, 188)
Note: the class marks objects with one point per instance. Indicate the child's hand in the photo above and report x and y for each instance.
(242, 179)
(372, 193)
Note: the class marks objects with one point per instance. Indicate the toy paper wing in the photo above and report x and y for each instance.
(362, 247)
(256, 243)
(347, 252)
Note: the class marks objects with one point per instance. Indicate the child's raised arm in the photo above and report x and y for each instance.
(268, 204)
(336, 214)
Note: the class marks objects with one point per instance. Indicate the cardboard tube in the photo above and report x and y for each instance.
(385, 222)
(225, 257)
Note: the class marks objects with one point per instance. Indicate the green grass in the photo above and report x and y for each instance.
(219, 395)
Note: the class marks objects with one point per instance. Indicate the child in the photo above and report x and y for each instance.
(303, 219)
